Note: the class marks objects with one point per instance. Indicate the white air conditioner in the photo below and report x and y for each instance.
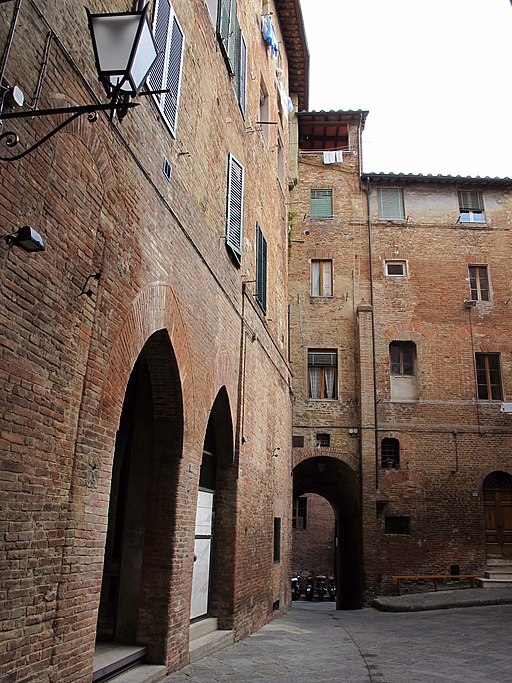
(506, 408)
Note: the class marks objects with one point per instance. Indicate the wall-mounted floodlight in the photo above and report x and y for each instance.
(26, 238)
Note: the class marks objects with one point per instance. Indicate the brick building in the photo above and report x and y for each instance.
(145, 382)
(401, 356)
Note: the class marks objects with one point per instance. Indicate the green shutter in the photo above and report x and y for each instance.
(391, 203)
(321, 204)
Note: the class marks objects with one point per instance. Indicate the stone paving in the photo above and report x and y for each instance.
(314, 643)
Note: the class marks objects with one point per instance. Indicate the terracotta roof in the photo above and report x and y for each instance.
(411, 178)
(292, 27)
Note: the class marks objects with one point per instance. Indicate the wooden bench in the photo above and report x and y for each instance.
(435, 578)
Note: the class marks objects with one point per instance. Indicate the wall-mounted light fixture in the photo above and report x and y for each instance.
(469, 303)
(125, 51)
(26, 238)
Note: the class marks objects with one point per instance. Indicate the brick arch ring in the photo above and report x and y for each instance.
(155, 308)
(348, 458)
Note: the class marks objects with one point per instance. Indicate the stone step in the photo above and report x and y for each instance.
(497, 574)
(142, 673)
(498, 562)
(495, 583)
(201, 628)
(112, 657)
(209, 643)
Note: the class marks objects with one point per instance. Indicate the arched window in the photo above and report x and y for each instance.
(390, 453)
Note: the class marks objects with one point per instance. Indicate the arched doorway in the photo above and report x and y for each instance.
(498, 515)
(335, 481)
(137, 567)
(213, 580)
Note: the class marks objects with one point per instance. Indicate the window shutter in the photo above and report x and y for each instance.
(321, 204)
(261, 269)
(391, 203)
(166, 73)
(223, 23)
(227, 26)
(322, 359)
(242, 74)
(235, 206)
(470, 200)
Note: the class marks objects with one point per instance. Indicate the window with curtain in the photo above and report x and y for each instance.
(321, 204)
(488, 376)
(321, 277)
(479, 283)
(167, 69)
(471, 206)
(322, 373)
(391, 203)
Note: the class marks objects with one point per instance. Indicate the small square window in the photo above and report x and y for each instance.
(391, 203)
(297, 441)
(396, 268)
(323, 440)
(397, 525)
(321, 204)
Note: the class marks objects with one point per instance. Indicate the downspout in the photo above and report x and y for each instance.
(374, 353)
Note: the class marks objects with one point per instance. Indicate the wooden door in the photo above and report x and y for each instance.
(498, 523)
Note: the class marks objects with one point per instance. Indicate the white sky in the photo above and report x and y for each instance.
(435, 76)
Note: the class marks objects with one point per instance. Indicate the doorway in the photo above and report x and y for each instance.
(141, 518)
(498, 515)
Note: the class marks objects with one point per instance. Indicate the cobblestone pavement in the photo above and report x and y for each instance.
(314, 643)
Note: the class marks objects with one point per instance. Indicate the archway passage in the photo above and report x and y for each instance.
(498, 515)
(335, 481)
(137, 566)
(213, 578)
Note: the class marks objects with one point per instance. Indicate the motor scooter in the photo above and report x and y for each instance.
(321, 586)
(309, 591)
(296, 590)
(331, 588)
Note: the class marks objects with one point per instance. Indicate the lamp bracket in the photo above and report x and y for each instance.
(11, 139)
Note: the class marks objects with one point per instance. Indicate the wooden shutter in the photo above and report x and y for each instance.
(227, 30)
(235, 202)
(391, 203)
(242, 73)
(166, 73)
(321, 204)
(261, 269)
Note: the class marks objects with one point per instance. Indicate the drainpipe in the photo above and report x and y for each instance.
(374, 353)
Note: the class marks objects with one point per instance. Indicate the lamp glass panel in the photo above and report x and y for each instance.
(144, 57)
(114, 37)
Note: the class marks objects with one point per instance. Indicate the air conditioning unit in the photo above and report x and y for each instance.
(506, 408)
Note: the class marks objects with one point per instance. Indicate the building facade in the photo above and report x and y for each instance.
(145, 378)
(401, 355)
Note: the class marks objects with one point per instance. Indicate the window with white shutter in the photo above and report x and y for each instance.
(261, 269)
(166, 72)
(391, 203)
(235, 206)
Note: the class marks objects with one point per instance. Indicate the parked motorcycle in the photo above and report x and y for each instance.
(331, 588)
(296, 590)
(309, 591)
(321, 586)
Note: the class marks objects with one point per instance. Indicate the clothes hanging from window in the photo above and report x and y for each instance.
(338, 156)
(329, 157)
(269, 36)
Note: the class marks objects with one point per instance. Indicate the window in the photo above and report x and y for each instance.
(261, 269)
(488, 376)
(297, 441)
(397, 525)
(264, 113)
(396, 268)
(321, 204)
(390, 453)
(391, 203)
(280, 162)
(166, 72)
(322, 373)
(471, 206)
(479, 283)
(300, 512)
(323, 440)
(233, 46)
(277, 539)
(401, 358)
(321, 278)
(235, 204)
